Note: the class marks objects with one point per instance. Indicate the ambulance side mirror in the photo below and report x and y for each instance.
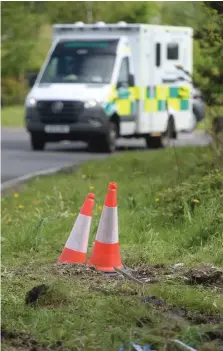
(32, 78)
(122, 85)
(131, 80)
(129, 83)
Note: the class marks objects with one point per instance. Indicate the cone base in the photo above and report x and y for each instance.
(72, 256)
(105, 269)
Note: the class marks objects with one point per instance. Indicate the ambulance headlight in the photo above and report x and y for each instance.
(90, 103)
(31, 102)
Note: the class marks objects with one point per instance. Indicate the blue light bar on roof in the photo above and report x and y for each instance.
(111, 27)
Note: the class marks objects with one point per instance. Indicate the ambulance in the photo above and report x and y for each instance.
(102, 81)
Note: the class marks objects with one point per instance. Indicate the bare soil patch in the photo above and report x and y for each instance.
(27, 342)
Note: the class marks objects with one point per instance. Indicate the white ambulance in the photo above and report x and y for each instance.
(104, 81)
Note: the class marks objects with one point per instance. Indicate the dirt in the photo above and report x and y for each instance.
(81, 271)
(35, 293)
(215, 334)
(116, 290)
(182, 313)
(154, 300)
(214, 340)
(204, 274)
(141, 322)
(176, 317)
(27, 342)
(151, 273)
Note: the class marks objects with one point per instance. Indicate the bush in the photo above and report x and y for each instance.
(183, 200)
(13, 91)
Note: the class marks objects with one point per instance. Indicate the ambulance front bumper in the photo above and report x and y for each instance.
(91, 122)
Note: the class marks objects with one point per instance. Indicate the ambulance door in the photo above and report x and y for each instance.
(126, 99)
(171, 56)
(156, 96)
(174, 56)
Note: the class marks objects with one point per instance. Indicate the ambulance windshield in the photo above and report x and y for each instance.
(81, 62)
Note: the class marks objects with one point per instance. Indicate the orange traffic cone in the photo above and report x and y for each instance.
(76, 246)
(106, 251)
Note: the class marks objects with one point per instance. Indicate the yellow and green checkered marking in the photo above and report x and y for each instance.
(126, 102)
(155, 98)
(124, 99)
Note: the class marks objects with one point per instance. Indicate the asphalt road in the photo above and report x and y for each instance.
(18, 159)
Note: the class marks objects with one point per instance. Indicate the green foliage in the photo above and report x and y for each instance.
(13, 91)
(209, 67)
(66, 12)
(185, 199)
(88, 12)
(207, 21)
(184, 13)
(26, 36)
(131, 12)
(20, 26)
(26, 39)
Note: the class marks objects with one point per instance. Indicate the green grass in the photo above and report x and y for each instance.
(12, 116)
(158, 223)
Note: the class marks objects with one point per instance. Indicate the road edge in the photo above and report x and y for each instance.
(8, 185)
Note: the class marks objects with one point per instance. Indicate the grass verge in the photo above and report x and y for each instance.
(12, 116)
(169, 212)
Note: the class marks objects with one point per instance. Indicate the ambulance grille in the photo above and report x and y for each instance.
(59, 112)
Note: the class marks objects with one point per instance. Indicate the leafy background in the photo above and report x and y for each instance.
(26, 36)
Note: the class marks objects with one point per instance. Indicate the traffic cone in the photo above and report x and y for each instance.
(76, 246)
(106, 251)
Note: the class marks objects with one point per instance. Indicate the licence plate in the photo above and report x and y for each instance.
(57, 129)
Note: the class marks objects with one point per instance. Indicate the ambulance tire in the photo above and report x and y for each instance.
(153, 142)
(163, 141)
(169, 134)
(37, 141)
(108, 141)
(93, 146)
(105, 143)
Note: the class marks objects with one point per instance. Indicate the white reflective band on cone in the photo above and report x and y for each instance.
(108, 227)
(78, 239)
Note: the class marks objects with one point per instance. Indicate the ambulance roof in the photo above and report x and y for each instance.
(109, 27)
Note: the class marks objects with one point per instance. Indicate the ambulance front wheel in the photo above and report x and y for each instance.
(37, 141)
(105, 143)
(153, 142)
(108, 142)
(170, 133)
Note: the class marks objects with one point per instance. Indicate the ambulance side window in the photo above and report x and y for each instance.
(158, 54)
(172, 51)
(124, 72)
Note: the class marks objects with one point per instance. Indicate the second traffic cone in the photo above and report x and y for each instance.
(106, 251)
(76, 246)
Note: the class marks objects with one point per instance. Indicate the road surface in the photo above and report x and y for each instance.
(18, 159)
